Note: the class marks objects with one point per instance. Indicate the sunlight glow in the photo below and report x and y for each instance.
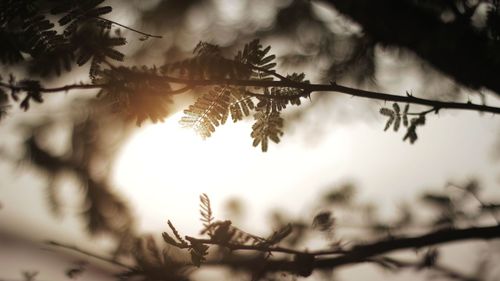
(164, 168)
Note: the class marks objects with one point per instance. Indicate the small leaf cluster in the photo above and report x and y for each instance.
(267, 126)
(452, 209)
(411, 133)
(76, 13)
(78, 35)
(136, 92)
(197, 250)
(214, 107)
(396, 117)
(208, 62)
(206, 213)
(154, 263)
(268, 122)
(31, 93)
(221, 233)
(96, 45)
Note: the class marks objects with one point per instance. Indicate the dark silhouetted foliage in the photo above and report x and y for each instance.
(239, 77)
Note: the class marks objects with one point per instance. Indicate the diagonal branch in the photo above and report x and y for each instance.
(129, 28)
(90, 254)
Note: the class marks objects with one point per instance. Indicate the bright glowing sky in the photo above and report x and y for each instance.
(164, 168)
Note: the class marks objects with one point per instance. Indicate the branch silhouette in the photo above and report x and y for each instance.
(130, 28)
(88, 253)
(306, 88)
(357, 254)
(364, 252)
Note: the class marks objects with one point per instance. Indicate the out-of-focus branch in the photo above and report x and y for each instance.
(357, 254)
(454, 48)
(364, 252)
(266, 248)
(90, 254)
(440, 269)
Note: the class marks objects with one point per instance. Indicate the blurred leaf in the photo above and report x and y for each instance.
(323, 221)
(279, 235)
(342, 195)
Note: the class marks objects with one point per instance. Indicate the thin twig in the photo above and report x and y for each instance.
(67, 88)
(425, 112)
(365, 252)
(130, 28)
(265, 248)
(476, 197)
(53, 90)
(87, 253)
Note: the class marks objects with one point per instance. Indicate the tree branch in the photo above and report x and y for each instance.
(129, 28)
(365, 252)
(455, 48)
(357, 254)
(438, 268)
(266, 248)
(306, 87)
(87, 253)
(65, 88)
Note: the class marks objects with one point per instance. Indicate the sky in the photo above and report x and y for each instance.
(176, 166)
(163, 168)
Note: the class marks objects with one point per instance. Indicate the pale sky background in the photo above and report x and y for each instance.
(162, 169)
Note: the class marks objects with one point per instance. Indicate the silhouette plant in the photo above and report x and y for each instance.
(223, 243)
(240, 86)
(50, 38)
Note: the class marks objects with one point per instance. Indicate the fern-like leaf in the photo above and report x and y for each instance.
(405, 115)
(208, 112)
(279, 235)
(180, 242)
(276, 99)
(225, 232)
(134, 92)
(206, 214)
(241, 105)
(254, 55)
(207, 63)
(268, 125)
(198, 252)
